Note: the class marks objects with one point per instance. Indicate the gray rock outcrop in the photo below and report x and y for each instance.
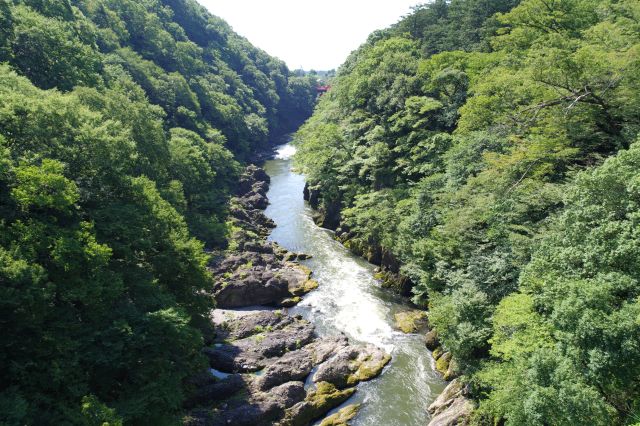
(451, 408)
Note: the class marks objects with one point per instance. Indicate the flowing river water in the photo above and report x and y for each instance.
(350, 300)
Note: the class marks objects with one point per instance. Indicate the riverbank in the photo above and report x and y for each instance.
(452, 406)
(267, 366)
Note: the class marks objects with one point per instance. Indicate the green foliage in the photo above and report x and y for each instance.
(44, 187)
(87, 284)
(464, 167)
(6, 30)
(111, 185)
(206, 172)
(462, 319)
(51, 52)
(96, 413)
(517, 328)
(453, 25)
(582, 287)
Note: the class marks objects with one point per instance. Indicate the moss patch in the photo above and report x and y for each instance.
(431, 340)
(318, 402)
(304, 269)
(305, 288)
(368, 369)
(453, 371)
(442, 364)
(310, 285)
(342, 417)
(437, 353)
(292, 301)
(326, 396)
(411, 321)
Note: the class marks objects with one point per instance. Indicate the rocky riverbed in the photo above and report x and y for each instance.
(266, 366)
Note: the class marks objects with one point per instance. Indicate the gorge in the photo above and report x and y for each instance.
(469, 252)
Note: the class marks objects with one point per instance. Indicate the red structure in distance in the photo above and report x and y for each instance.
(322, 90)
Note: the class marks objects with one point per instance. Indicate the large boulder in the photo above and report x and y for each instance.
(260, 187)
(252, 175)
(342, 417)
(351, 365)
(233, 326)
(294, 365)
(322, 349)
(257, 351)
(411, 321)
(431, 340)
(317, 403)
(457, 413)
(254, 200)
(451, 408)
(255, 409)
(258, 277)
(256, 174)
(235, 261)
(288, 394)
(250, 288)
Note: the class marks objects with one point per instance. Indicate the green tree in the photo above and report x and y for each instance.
(50, 53)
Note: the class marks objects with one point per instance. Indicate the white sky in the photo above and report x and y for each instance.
(313, 35)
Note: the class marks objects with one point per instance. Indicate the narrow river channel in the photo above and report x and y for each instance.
(350, 300)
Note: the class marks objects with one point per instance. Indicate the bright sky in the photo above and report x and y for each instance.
(313, 35)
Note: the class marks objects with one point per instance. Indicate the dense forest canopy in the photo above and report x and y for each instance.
(123, 125)
(491, 149)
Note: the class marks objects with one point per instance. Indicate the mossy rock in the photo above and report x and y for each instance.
(453, 371)
(327, 392)
(437, 352)
(292, 301)
(310, 285)
(411, 321)
(305, 288)
(304, 269)
(442, 364)
(431, 340)
(368, 369)
(342, 417)
(318, 402)
(279, 251)
(396, 283)
(290, 256)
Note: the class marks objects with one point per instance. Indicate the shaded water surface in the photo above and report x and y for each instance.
(350, 300)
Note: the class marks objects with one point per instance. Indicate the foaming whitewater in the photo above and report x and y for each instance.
(350, 300)
(345, 302)
(285, 152)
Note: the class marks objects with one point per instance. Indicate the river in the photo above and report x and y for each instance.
(349, 299)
